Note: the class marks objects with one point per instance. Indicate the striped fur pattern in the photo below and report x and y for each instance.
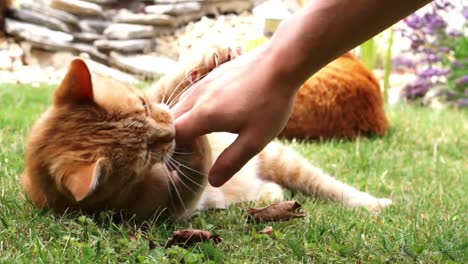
(105, 145)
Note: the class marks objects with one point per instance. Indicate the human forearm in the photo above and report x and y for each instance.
(254, 94)
(324, 30)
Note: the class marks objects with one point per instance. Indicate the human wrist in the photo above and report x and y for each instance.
(270, 60)
(291, 58)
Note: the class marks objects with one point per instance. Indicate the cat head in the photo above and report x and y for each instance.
(98, 137)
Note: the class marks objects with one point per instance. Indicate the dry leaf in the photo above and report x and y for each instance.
(132, 238)
(267, 231)
(188, 237)
(280, 211)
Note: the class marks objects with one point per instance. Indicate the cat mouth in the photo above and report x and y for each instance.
(159, 153)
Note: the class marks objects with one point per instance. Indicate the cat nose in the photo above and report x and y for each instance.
(161, 133)
(168, 135)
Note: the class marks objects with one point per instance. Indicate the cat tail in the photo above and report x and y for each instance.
(287, 168)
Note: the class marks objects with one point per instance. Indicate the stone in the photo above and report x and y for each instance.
(51, 12)
(87, 37)
(148, 65)
(93, 52)
(30, 31)
(32, 75)
(144, 19)
(38, 18)
(174, 9)
(103, 2)
(125, 46)
(6, 62)
(94, 25)
(77, 7)
(129, 31)
(234, 6)
(11, 55)
(189, 17)
(49, 59)
(47, 44)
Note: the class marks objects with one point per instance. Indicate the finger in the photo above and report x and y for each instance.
(232, 159)
(185, 103)
(190, 125)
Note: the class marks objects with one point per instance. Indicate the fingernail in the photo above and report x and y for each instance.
(216, 180)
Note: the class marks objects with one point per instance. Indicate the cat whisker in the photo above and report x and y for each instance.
(185, 91)
(187, 167)
(171, 198)
(175, 189)
(183, 183)
(188, 75)
(176, 167)
(170, 102)
(182, 153)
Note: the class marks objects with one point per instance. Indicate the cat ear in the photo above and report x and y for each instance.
(85, 179)
(77, 86)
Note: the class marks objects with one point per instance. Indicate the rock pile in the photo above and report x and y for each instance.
(123, 34)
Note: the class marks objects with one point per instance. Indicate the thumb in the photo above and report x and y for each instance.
(232, 159)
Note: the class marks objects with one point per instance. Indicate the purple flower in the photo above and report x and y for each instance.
(402, 62)
(465, 12)
(414, 21)
(457, 63)
(417, 88)
(432, 58)
(416, 42)
(462, 81)
(455, 34)
(444, 49)
(462, 103)
(434, 22)
(443, 4)
(431, 45)
(433, 72)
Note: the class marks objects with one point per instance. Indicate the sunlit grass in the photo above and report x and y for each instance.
(421, 164)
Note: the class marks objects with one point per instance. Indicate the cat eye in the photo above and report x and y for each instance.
(145, 105)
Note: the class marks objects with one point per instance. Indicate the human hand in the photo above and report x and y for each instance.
(248, 96)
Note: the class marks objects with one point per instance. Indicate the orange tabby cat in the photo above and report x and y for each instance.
(106, 145)
(343, 100)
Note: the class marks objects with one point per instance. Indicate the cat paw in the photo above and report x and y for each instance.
(224, 54)
(370, 203)
(211, 58)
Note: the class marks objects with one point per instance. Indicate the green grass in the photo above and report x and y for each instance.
(421, 164)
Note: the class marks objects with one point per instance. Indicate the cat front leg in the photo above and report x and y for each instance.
(287, 168)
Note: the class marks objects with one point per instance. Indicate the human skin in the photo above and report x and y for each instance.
(253, 95)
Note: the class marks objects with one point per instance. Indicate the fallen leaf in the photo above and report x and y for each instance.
(267, 231)
(280, 211)
(132, 238)
(188, 237)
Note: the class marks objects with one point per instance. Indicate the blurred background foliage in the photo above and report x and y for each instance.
(433, 47)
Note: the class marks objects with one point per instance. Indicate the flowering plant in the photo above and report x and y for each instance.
(438, 56)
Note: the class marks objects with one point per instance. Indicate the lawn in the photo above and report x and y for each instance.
(422, 164)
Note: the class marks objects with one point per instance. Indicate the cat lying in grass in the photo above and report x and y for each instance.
(105, 145)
